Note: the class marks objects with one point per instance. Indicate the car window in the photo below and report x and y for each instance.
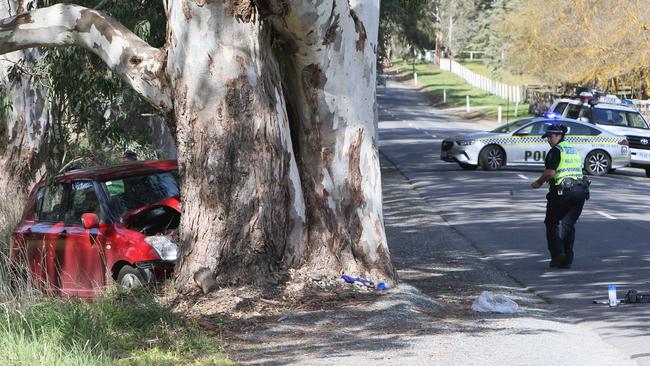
(537, 128)
(83, 199)
(559, 108)
(635, 120)
(610, 117)
(577, 129)
(51, 204)
(573, 111)
(134, 192)
(511, 126)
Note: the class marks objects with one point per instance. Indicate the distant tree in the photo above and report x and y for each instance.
(579, 41)
(410, 23)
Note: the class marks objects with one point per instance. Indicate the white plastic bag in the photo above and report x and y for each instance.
(489, 302)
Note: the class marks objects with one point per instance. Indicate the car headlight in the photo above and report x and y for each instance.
(465, 142)
(165, 248)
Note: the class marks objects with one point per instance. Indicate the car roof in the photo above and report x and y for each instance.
(567, 120)
(119, 171)
(618, 107)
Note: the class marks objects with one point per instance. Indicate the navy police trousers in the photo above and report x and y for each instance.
(562, 213)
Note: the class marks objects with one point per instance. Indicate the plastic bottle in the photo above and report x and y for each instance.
(612, 296)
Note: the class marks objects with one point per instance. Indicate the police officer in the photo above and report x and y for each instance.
(568, 190)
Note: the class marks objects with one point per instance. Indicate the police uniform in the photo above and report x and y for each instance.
(565, 199)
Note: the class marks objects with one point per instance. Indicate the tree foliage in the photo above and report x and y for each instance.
(92, 110)
(579, 41)
(412, 23)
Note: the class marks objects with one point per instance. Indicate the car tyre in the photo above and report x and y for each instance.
(468, 166)
(130, 278)
(492, 158)
(597, 163)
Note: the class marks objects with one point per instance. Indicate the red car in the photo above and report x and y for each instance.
(92, 226)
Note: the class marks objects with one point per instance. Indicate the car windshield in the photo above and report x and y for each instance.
(509, 127)
(612, 117)
(131, 193)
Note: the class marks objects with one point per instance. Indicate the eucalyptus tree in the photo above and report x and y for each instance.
(24, 122)
(273, 105)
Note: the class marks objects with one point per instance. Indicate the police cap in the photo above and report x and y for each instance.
(554, 129)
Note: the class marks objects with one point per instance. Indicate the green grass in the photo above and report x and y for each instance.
(116, 329)
(434, 81)
(481, 68)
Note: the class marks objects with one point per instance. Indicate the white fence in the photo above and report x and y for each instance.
(513, 93)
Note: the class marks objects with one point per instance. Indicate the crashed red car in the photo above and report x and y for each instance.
(92, 226)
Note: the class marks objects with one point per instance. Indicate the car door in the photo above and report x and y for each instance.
(84, 271)
(43, 238)
(529, 148)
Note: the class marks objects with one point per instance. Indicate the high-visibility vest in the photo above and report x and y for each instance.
(571, 164)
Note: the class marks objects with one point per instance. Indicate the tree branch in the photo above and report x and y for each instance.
(140, 65)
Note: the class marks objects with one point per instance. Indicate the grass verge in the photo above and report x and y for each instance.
(436, 82)
(116, 329)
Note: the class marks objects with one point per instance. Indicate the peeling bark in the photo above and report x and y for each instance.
(261, 193)
(139, 64)
(337, 135)
(23, 131)
(242, 218)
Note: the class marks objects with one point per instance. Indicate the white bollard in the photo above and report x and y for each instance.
(415, 78)
(467, 99)
(499, 116)
(444, 95)
(516, 108)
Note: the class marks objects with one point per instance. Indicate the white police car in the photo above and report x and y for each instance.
(520, 143)
(612, 115)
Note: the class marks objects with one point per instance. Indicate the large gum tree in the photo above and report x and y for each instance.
(273, 104)
(24, 123)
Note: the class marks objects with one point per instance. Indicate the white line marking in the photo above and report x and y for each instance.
(522, 176)
(606, 215)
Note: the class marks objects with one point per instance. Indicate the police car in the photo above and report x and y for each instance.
(611, 114)
(520, 143)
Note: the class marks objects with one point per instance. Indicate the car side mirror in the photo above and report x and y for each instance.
(90, 220)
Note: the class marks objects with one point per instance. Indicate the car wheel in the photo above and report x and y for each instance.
(129, 278)
(492, 158)
(598, 163)
(468, 166)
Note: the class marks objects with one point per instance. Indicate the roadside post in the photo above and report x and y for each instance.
(516, 108)
(444, 95)
(499, 115)
(467, 99)
(415, 78)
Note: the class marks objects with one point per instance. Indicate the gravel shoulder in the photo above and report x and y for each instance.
(427, 319)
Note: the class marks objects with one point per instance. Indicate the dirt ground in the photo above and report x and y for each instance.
(310, 321)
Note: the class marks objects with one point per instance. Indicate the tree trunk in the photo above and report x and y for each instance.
(242, 217)
(331, 85)
(251, 208)
(23, 130)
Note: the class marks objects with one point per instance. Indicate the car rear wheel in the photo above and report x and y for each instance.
(468, 166)
(598, 163)
(129, 278)
(492, 158)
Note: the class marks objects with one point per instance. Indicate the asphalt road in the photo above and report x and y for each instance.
(503, 217)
